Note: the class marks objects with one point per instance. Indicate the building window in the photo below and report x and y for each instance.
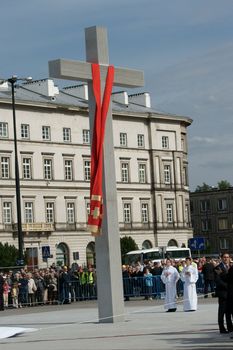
(123, 139)
(87, 170)
(5, 167)
(147, 244)
(222, 204)
(125, 172)
(205, 225)
(46, 133)
(142, 173)
(145, 213)
(48, 169)
(28, 212)
(187, 216)
(50, 212)
(25, 131)
(224, 243)
(68, 169)
(3, 130)
(27, 168)
(185, 176)
(127, 213)
(66, 134)
(88, 209)
(222, 224)
(165, 142)
(167, 174)
(205, 205)
(141, 141)
(86, 136)
(7, 213)
(182, 144)
(70, 213)
(169, 208)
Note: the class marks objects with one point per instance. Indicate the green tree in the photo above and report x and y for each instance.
(223, 185)
(204, 187)
(8, 255)
(127, 244)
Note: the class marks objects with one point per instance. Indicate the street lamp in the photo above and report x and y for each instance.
(12, 81)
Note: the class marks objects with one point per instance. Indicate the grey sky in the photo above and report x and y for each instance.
(185, 48)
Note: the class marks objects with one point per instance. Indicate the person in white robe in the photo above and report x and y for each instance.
(169, 277)
(189, 276)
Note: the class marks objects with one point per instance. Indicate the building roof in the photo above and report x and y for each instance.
(26, 93)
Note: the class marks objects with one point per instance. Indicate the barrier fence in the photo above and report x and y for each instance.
(132, 287)
(75, 290)
(138, 287)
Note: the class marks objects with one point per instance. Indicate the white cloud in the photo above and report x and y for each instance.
(204, 140)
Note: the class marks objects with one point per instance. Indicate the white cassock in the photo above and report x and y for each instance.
(170, 277)
(190, 292)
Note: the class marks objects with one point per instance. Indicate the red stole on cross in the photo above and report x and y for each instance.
(96, 191)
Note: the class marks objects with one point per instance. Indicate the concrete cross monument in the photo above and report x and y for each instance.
(108, 256)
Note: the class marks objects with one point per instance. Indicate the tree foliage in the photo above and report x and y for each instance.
(127, 244)
(8, 255)
(204, 187)
(223, 185)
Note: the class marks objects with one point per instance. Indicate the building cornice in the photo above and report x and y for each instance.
(151, 116)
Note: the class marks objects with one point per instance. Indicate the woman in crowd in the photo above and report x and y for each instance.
(6, 291)
(31, 290)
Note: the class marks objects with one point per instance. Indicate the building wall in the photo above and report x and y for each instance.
(212, 218)
(155, 193)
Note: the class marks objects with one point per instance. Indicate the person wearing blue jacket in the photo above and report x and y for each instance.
(148, 281)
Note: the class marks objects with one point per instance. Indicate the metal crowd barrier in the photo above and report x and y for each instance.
(132, 286)
(136, 287)
(74, 290)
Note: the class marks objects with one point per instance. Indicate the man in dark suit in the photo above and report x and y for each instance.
(230, 292)
(208, 274)
(221, 273)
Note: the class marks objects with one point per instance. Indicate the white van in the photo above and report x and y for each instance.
(156, 254)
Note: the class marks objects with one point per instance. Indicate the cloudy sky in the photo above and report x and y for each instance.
(185, 48)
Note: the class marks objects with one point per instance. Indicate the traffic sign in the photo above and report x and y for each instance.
(46, 252)
(20, 262)
(197, 243)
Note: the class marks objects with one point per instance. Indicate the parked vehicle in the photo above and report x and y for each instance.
(156, 254)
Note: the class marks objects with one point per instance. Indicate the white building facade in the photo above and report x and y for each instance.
(53, 141)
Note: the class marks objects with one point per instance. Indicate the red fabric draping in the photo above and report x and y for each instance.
(96, 191)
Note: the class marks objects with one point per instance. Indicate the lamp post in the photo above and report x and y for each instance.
(12, 81)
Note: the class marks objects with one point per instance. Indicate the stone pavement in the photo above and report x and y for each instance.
(146, 327)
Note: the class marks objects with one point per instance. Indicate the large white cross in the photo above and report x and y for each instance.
(108, 256)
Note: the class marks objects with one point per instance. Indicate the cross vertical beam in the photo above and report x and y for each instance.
(107, 246)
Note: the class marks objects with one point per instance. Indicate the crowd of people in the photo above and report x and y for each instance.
(50, 286)
(156, 269)
(55, 285)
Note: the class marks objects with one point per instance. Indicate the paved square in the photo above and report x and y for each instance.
(147, 327)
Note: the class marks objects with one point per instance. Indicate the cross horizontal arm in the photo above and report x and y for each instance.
(81, 71)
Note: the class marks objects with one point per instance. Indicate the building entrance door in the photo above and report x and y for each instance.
(32, 258)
